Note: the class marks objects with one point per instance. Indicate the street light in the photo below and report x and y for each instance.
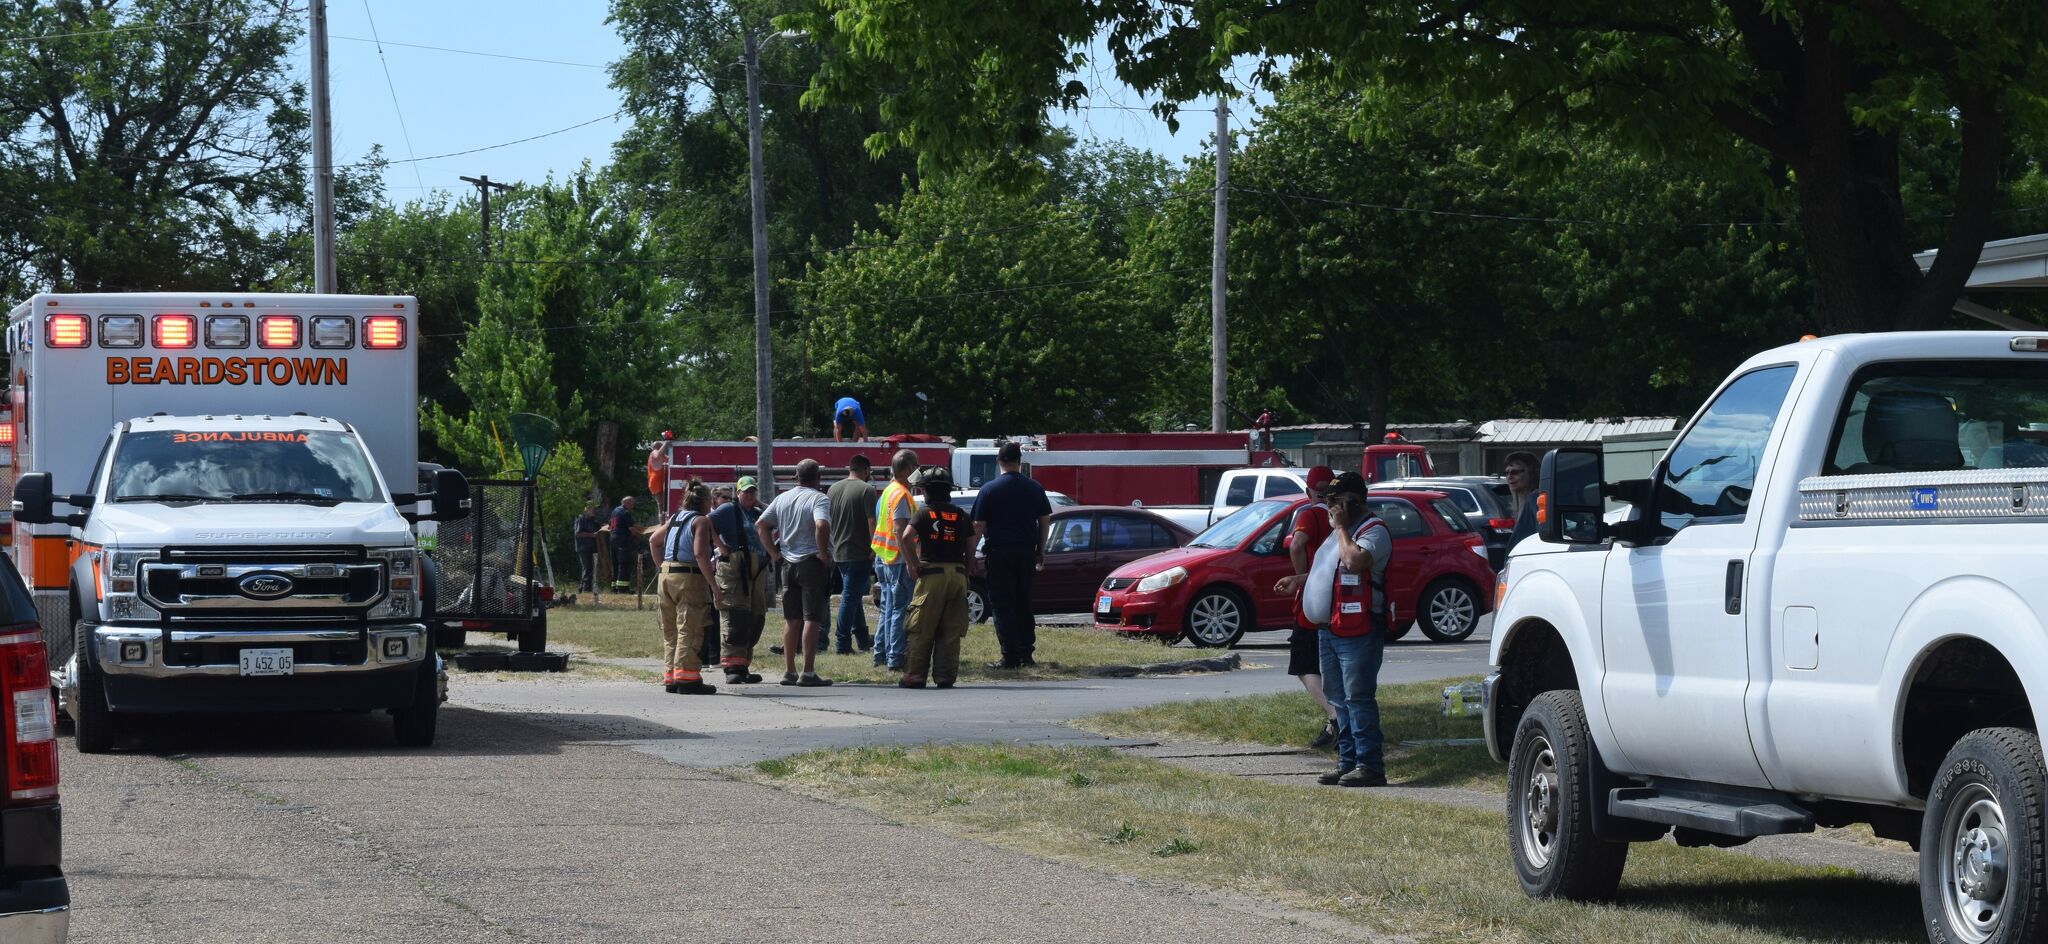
(927, 401)
(764, 405)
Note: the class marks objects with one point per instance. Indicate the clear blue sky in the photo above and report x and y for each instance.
(454, 102)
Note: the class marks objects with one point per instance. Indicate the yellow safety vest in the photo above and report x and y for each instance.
(887, 543)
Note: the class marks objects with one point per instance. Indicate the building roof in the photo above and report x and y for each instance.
(1563, 431)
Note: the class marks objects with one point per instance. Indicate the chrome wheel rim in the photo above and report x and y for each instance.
(1975, 862)
(974, 605)
(1213, 619)
(1537, 818)
(1452, 611)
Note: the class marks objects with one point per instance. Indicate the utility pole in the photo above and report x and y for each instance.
(323, 155)
(1219, 325)
(484, 186)
(764, 403)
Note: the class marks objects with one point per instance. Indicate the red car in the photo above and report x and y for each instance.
(1083, 544)
(1220, 585)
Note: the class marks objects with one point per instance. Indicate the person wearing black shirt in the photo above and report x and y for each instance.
(742, 580)
(585, 528)
(935, 549)
(625, 545)
(1010, 520)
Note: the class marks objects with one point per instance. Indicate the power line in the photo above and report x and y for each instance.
(493, 147)
(1501, 217)
(393, 87)
(140, 27)
(468, 52)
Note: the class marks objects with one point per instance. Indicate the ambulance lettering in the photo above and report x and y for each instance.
(233, 371)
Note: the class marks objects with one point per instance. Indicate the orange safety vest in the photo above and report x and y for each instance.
(887, 543)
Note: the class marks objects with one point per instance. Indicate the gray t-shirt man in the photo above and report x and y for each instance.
(1319, 591)
(795, 513)
(852, 504)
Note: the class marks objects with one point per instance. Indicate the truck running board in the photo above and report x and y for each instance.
(1744, 814)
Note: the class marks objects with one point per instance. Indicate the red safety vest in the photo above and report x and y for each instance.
(1359, 605)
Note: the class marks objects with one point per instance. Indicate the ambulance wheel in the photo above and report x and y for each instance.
(93, 722)
(534, 638)
(414, 725)
(446, 637)
(977, 601)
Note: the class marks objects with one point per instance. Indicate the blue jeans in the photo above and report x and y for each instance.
(853, 617)
(1351, 679)
(896, 589)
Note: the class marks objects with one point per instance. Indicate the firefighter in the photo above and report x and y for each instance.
(686, 590)
(935, 549)
(743, 573)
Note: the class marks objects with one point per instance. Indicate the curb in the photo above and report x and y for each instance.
(1215, 664)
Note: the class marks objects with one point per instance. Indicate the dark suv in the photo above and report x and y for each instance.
(35, 902)
(1484, 500)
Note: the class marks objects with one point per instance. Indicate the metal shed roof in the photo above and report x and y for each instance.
(1563, 431)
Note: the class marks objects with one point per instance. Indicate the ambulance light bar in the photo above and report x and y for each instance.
(278, 331)
(68, 331)
(383, 332)
(333, 331)
(175, 331)
(227, 330)
(6, 434)
(120, 330)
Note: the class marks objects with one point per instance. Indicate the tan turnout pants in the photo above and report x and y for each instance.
(684, 593)
(936, 623)
(743, 585)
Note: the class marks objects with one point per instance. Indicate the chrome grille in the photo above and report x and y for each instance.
(261, 584)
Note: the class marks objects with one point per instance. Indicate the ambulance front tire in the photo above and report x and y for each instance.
(94, 724)
(414, 724)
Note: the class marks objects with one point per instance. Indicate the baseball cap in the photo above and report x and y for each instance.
(1319, 477)
(1350, 483)
(745, 482)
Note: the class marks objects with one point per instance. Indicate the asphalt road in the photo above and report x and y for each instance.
(565, 810)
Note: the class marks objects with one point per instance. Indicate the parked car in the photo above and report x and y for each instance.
(35, 901)
(1083, 544)
(1220, 585)
(966, 497)
(1485, 501)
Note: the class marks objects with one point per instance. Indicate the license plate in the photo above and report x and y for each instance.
(1102, 603)
(266, 662)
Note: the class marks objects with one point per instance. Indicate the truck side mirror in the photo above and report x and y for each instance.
(1569, 509)
(450, 495)
(32, 501)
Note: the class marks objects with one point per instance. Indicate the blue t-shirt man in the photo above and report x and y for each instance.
(1009, 508)
(848, 422)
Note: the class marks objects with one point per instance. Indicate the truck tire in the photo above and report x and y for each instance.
(534, 638)
(977, 601)
(1449, 610)
(1550, 813)
(92, 722)
(1981, 866)
(1216, 619)
(414, 725)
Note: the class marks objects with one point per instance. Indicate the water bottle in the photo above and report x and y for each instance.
(1463, 700)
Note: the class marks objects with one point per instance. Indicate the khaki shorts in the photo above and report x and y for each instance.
(806, 590)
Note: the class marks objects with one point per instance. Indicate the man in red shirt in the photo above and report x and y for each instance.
(1311, 528)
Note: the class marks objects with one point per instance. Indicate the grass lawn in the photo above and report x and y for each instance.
(1408, 713)
(1063, 652)
(1393, 866)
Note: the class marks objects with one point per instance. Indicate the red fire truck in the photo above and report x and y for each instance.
(1149, 468)
(720, 463)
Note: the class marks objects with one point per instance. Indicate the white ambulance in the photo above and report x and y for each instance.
(232, 541)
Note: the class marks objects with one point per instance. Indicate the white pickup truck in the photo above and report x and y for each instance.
(1825, 607)
(1236, 489)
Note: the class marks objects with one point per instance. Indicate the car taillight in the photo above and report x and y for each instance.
(29, 724)
(1501, 524)
(383, 332)
(68, 330)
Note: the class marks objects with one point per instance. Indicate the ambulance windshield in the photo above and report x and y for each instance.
(302, 466)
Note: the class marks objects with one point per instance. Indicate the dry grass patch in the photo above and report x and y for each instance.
(1396, 867)
(1409, 714)
(1063, 652)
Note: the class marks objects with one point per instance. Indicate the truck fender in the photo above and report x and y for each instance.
(1962, 607)
(84, 595)
(1543, 597)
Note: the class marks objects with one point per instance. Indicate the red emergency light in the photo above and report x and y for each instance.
(6, 434)
(383, 332)
(69, 330)
(278, 331)
(175, 331)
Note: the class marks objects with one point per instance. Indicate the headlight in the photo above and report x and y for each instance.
(401, 583)
(120, 578)
(1163, 579)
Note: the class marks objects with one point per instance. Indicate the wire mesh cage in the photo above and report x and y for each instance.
(487, 557)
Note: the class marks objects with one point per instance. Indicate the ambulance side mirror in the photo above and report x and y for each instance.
(450, 497)
(32, 501)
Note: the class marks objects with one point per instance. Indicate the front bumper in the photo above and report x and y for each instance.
(1156, 612)
(154, 652)
(41, 926)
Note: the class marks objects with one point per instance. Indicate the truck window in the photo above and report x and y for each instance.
(1280, 485)
(1942, 416)
(1240, 493)
(242, 465)
(1708, 475)
(981, 470)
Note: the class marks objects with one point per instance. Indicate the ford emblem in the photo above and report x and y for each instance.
(266, 586)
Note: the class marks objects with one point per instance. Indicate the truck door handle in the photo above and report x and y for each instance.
(1732, 594)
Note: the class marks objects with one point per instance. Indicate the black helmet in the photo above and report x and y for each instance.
(932, 476)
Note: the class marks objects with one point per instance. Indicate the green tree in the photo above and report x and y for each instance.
(1002, 308)
(148, 144)
(1835, 93)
